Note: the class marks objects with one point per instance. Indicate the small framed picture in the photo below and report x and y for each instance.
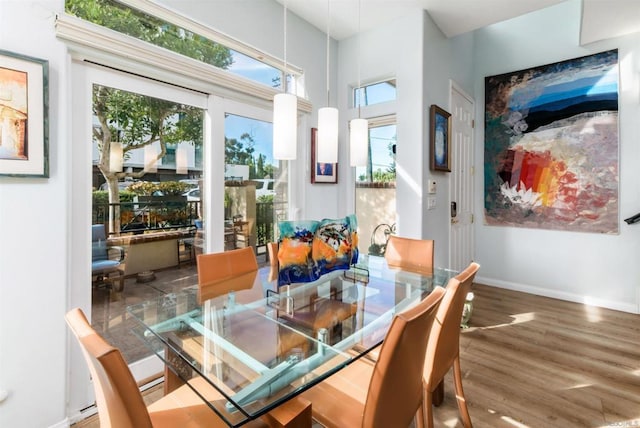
(24, 133)
(440, 139)
(321, 172)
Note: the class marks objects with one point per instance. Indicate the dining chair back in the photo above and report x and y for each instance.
(414, 255)
(120, 403)
(394, 393)
(219, 273)
(272, 252)
(443, 348)
(118, 398)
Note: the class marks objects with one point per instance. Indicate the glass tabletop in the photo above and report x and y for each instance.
(256, 345)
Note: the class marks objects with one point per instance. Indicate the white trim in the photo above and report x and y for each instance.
(93, 43)
(559, 294)
(65, 423)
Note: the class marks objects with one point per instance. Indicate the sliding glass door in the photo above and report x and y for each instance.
(138, 154)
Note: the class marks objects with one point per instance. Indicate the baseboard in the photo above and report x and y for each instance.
(66, 423)
(561, 295)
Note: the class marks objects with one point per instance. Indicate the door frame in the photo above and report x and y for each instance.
(84, 75)
(454, 87)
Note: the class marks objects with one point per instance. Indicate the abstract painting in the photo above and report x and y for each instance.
(551, 146)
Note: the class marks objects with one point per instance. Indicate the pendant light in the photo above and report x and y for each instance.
(358, 128)
(115, 157)
(328, 118)
(285, 114)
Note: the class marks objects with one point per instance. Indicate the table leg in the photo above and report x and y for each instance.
(171, 380)
(295, 413)
(438, 394)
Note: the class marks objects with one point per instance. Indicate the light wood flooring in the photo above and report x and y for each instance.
(531, 361)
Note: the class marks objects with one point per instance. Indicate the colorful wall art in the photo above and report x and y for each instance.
(308, 249)
(551, 146)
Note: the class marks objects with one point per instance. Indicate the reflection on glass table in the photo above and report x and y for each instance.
(255, 345)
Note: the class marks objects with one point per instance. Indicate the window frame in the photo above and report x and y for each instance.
(96, 44)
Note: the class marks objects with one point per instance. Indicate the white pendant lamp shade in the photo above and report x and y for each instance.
(181, 160)
(115, 157)
(285, 126)
(327, 135)
(358, 141)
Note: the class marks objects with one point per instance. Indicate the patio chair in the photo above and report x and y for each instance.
(103, 261)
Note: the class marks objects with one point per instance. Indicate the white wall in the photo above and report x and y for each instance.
(34, 227)
(422, 79)
(445, 60)
(585, 267)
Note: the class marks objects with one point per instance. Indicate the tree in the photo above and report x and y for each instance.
(239, 152)
(134, 120)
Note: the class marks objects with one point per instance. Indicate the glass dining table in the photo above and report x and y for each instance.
(257, 345)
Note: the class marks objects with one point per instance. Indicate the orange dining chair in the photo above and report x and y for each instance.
(414, 255)
(120, 403)
(443, 348)
(272, 252)
(393, 395)
(219, 273)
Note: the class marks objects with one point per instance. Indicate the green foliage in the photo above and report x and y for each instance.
(148, 188)
(101, 197)
(265, 199)
(381, 176)
(173, 187)
(239, 152)
(143, 188)
(132, 22)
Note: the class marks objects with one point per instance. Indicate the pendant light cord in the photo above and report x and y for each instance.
(284, 76)
(328, 42)
(359, 58)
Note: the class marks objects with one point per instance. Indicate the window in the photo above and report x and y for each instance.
(374, 93)
(381, 165)
(136, 23)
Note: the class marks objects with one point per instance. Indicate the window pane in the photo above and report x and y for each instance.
(381, 161)
(132, 22)
(144, 210)
(256, 184)
(374, 93)
(375, 191)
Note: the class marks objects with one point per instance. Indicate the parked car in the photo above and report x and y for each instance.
(122, 185)
(192, 195)
(264, 187)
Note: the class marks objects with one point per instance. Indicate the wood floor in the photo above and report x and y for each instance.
(531, 361)
(539, 362)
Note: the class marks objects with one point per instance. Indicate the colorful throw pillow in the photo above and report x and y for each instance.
(294, 252)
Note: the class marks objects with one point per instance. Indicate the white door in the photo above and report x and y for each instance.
(462, 180)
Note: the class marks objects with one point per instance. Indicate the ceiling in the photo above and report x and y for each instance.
(601, 19)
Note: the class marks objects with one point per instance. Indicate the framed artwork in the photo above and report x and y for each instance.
(551, 146)
(321, 172)
(440, 138)
(24, 122)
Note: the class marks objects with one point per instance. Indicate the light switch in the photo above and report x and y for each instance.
(431, 186)
(431, 203)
